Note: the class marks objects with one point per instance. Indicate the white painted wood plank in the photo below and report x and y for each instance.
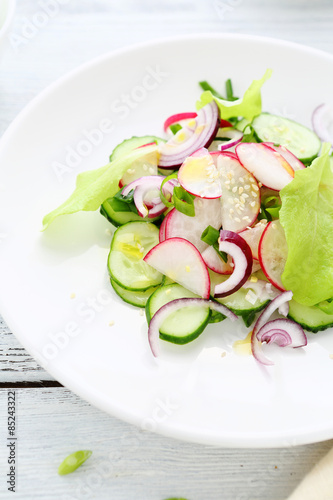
(16, 365)
(130, 464)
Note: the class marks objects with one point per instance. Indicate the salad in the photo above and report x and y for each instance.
(230, 215)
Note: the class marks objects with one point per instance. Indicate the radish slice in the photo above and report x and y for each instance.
(293, 161)
(180, 261)
(207, 212)
(215, 262)
(240, 201)
(273, 251)
(169, 308)
(178, 117)
(268, 166)
(142, 187)
(161, 233)
(199, 175)
(239, 250)
(189, 139)
(322, 120)
(261, 321)
(252, 237)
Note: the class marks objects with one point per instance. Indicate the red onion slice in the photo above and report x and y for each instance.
(322, 120)
(141, 187)
(187, 140)
(175, 305)
(276, 304)
(283, 332)
(239, 250)
(168, 188)
(178, 117)
(234, 136)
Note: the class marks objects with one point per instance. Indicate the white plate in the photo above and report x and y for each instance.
(192, 392)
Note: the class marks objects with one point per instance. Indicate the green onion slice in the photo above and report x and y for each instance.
(73, 462)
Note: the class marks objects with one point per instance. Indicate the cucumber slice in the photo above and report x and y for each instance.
(121, 218)
(118, 218)
(128, 145)
(300, 140)
(311, 318)
(242, 124)
(184, 325)
(138, 299)
(238, 302)
(130, 243)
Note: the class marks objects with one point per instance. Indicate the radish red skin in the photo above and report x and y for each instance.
(178, 117)
(262, 260)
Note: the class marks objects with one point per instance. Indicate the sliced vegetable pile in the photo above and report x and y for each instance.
(228, 216)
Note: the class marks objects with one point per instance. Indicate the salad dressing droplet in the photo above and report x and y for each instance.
(243, 347)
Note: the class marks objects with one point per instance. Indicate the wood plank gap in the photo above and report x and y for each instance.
(30, 385)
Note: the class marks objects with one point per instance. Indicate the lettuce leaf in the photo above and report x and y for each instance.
(248, 106)
(95, 186)
(307, 218)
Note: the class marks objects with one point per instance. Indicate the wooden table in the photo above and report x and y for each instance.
(128, 464)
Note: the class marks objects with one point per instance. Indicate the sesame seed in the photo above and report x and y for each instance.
(255, 187)
(247, 187)
(253, 204)
(232, 181)
(241, 180)
(145, 168)
(240, 190)
(188, 269)
(247, 218)
(237, 219)
(234, 189)
(111, 323)
(260, 184)
(223, 354)
(231, 211)
(254, 194)
(245, 195)
(251, 179)
(232, 264)
(227, 182)
(242, 199)
(253, 279)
